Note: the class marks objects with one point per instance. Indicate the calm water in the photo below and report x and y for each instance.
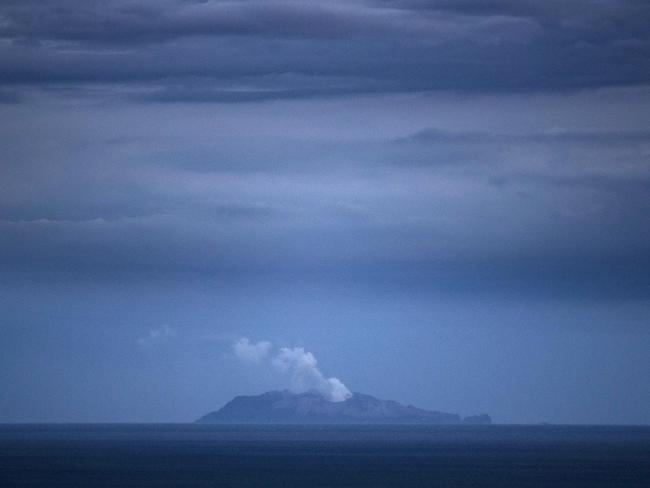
(215, 456)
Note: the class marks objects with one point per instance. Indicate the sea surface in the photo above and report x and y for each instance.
(179, 455)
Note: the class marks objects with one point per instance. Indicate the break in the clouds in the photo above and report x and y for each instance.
(295, 365)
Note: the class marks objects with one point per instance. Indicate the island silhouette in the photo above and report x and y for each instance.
(312, 407)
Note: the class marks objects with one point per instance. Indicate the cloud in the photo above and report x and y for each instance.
(253, 352)
(585, 137)
(127, 22)
(171, 51)
(157, 337)
(10, 96)
(434, 209)
(294, 364)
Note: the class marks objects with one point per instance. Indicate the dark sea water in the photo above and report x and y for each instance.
(216, 456)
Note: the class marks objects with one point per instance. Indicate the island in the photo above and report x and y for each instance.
(286, 407)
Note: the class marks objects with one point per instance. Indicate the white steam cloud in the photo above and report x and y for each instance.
(300, 366)
(248, 351)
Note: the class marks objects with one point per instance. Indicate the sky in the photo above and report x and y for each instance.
(443, 203)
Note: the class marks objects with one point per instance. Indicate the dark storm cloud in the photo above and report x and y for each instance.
(129, 23)
(600, 22)
(119, 252)
(380, 46)
(219, 174)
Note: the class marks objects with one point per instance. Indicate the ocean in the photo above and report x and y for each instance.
(179, 455)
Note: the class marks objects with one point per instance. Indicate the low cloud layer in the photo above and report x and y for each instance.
(294, 365)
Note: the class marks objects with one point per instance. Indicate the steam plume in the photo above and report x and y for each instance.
(248, 351)
(298, 365)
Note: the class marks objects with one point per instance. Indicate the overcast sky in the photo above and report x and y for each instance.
(447, 202)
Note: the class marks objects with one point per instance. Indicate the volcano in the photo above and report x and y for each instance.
(286, 407)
